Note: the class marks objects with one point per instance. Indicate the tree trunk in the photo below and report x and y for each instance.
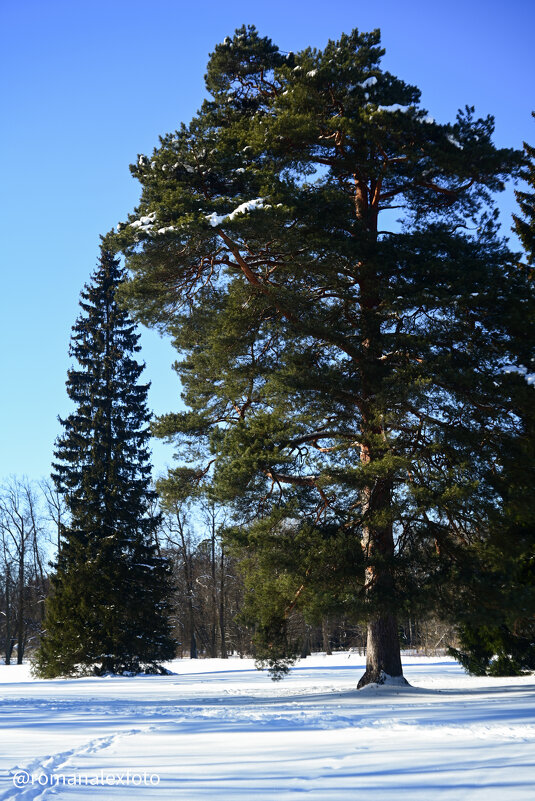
(222, 626)
(191, 620)
(9, 638)
(193, 645)
(188, 576)
(213, 594)
(383, 660)
(305, 647)
(9, 649)
(20, 622)
(326, 637)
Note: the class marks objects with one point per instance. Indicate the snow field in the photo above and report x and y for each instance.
(219, 729)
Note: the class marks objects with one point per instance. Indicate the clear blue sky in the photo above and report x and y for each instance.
(89, 84)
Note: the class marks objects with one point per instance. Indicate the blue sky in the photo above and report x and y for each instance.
(88, 84)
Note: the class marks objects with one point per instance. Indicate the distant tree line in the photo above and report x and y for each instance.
(208, 598)
(23, 568)
(208, 587)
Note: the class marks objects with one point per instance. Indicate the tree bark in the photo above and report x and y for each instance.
(326, 637)
(192, 642)
(20, 612)
(383, 658)
(188, 578)
(213, 591)
(305, 647)
(9, 637)
(222, 625)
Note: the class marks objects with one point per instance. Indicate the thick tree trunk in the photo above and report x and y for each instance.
(383, 660)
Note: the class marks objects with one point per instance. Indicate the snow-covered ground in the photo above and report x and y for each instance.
(219, 729)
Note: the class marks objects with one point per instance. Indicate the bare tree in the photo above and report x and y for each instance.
(56, 508)
(212, 579)
(209, 591)
(178, 541)
(23, 576)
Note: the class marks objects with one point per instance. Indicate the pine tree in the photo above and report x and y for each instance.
(344, 376)
(108, 611)
(524, 223)
(497, 636)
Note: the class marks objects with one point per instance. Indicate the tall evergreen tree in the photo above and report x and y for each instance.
(108, 610)
(345, 375)
(497, 625)
(524, 222)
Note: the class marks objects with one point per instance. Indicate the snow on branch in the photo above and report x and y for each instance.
(250, 205)
(512, 368)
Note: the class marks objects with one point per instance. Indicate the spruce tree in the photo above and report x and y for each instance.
(344, 375)
(108, 611)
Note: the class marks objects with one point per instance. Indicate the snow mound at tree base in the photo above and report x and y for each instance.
(383, 680)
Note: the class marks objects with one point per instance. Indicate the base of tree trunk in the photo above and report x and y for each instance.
(380, 677)
(383, 658)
